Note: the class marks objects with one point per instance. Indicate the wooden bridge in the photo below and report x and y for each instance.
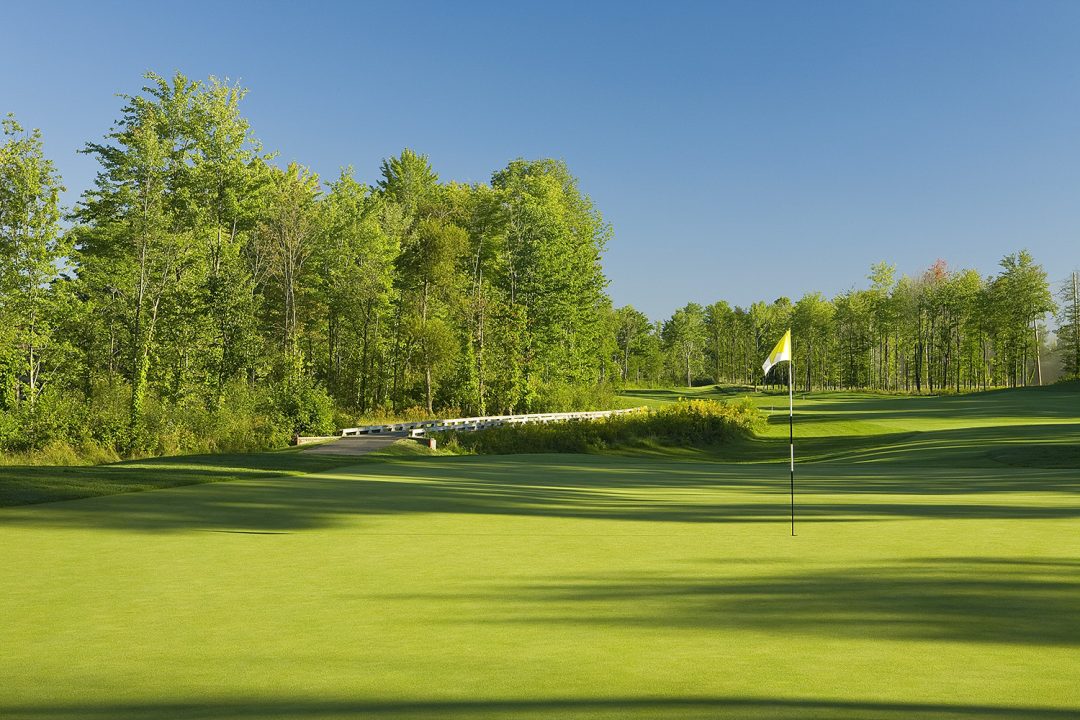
(421, 428)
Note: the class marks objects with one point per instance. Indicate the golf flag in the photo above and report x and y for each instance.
(779, 354)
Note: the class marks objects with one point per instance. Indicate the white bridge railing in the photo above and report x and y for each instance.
(423, 427)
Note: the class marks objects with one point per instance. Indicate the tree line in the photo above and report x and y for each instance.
(198, 276)
(943, 330)
(202, 295)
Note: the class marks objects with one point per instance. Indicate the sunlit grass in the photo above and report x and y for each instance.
(935, 574)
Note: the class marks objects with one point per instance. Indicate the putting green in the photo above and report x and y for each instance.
(929, 579)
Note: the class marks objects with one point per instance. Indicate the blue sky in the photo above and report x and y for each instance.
(741, 150)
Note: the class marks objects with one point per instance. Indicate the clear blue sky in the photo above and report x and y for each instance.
(741, 150)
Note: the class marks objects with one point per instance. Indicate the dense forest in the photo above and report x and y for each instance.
(202, 296)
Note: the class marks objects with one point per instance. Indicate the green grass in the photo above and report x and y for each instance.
(936, 574)
(32, 484)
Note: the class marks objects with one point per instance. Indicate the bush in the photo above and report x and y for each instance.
(66, 428)
(693, 423)
(304, 408)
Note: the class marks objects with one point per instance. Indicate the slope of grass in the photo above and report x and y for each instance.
(1033, 426)
(31, 484)
(929, 579)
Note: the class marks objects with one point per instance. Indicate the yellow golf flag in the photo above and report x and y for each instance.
(779, 354)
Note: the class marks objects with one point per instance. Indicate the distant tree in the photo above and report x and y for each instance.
(965, 287)
(685, 337)
(409, 180)
(1024, 296)
(430, 264)
(883, 320)
(1068, 332)
(811, 328)
(286, 237)
(632, 328)
(355, 259)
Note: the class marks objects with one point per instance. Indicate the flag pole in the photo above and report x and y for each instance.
(779, 354)
(791, 435)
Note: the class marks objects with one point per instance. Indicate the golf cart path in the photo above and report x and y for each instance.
(356, 444)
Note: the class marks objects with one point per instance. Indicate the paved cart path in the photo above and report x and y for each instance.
(356, 445)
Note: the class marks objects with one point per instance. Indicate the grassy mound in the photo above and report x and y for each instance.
(688, 423)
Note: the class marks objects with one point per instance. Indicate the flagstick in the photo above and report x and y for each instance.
(791, 436)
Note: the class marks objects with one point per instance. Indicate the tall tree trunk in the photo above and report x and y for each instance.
(426, 350)
(1038, 350)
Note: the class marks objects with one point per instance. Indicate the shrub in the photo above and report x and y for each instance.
(693, 423)
(66, 427)
(304, 408)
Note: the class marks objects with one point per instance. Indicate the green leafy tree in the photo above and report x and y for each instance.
(1069, 325)
(685, 337)
(1024, 297)
(31, 250)
(220, 198)
(136, 247)
(286, 237)
(632, 328)
(430, 263)
(811, 328)
(355, 259)
(409, 182)
(719, 323)
(552, 275)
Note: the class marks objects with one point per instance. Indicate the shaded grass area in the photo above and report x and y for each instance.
(576, 487)
(951, 599)
(935, 574)
(1034, 427)
(31, 484)
(689, 708)
(550, 586)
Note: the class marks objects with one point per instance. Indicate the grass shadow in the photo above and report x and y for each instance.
(576, 486)
(962, 599)
(32, 484)
(606, 708)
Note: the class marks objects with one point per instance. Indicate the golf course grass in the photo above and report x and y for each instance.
(935, 574)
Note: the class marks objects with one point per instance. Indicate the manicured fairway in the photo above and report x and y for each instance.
(936, 574)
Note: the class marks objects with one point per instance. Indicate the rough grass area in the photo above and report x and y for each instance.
(687, 424)
(928, 580)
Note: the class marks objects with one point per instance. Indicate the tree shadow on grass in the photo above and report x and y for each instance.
(1044, 445)
(1047, 402)
(630, 708)
(31, 484)
(567, 487)
(964, 599)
